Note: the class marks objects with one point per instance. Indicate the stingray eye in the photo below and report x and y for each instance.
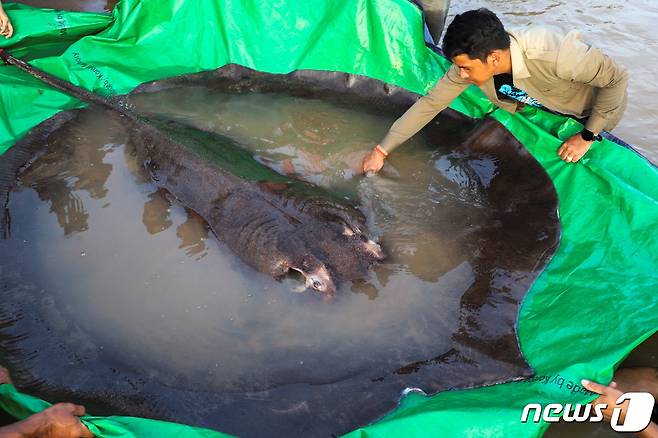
(317, 284)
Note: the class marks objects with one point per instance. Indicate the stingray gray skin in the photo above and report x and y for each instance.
(274, 223)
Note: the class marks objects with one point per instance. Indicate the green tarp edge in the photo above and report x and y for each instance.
(595, 301)
(22, 405)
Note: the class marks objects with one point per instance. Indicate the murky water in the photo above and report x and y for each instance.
(188, 310)
(424, 198)
(320, 144)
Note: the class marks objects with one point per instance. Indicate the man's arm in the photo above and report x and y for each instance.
(580, 62)
(425, 109)
(412, 121)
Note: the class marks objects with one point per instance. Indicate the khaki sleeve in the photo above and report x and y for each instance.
(425, 109)
(580, 62)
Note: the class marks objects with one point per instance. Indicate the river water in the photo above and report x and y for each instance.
(622, 29)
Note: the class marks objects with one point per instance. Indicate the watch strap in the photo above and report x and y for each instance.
(588, 135)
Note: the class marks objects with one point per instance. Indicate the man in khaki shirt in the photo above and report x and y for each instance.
(536, 65)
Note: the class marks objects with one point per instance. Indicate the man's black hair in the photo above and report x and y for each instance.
(476, 34)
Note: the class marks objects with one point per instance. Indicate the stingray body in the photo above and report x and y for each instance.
(274, 223)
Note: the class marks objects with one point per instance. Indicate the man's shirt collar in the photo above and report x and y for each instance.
(519, 69)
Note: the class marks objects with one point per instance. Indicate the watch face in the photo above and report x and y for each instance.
(587, 135)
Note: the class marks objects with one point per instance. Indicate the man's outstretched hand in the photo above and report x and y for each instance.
(373, 162)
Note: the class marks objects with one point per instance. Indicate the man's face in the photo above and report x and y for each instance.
(474, 70)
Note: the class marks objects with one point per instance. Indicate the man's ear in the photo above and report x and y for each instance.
(494, 57)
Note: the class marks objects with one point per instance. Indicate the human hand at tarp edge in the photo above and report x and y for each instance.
(6, 29)
(58, 421)
(574, 148)
(374, 161)
(608, 395)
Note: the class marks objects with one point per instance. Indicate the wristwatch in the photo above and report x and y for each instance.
(588, 135)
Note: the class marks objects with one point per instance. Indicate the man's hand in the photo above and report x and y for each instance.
(574, 148)
(58, 421)
(608, 395)
(61, 421)
(6, 29)
(373, 162)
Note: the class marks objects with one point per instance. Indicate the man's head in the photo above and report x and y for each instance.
(476, 41)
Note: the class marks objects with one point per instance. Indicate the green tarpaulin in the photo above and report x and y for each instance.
(593, 304)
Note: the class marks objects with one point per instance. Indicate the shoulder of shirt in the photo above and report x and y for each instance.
(539, 42)
(538, 37)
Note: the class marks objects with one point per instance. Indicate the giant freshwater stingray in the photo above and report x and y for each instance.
(507, 257)
(275, 224)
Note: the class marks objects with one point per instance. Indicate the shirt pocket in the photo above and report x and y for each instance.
(558, 88)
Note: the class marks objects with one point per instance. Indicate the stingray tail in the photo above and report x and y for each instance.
(60, 84)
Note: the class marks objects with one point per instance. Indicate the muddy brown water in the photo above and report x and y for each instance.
(84, 215)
